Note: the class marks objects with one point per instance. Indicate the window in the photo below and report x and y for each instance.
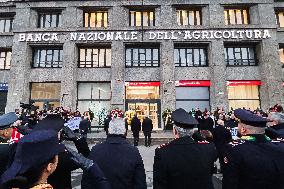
(142, 57)
(190, 98)
(49, 20)
(6, 24)
(240, 56)
(280, 18)
(142, 18)
(236, 16)
(94, 58)
(5, 60)
(47, 58)
(244, 96)
(281, 54)
(96, 97)
(46, 95)
(188, 17)
(188, 57)
(96, 19)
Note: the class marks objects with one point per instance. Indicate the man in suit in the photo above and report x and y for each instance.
(147, 127)
(84, 126)
(184, 163)
(135, 128)
(121, 162)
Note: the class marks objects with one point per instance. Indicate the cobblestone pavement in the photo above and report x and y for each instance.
(147, 154)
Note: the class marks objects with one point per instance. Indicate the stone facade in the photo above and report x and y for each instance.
(262, 16)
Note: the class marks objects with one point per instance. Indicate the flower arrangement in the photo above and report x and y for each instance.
(116, 113)
(129, 114)
(166, 116)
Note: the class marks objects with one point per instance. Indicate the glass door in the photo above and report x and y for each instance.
(145, 108)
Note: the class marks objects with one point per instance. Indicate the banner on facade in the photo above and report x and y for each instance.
(243, 82)
(150, 35)
(143, 84)
(73, 123)
(193, 83)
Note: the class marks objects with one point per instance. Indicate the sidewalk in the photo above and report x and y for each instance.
(158, 137)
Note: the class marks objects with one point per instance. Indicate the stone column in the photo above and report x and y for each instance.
(218, 88)
(271, 90)
(167, 66)
(72, 17)
(19, 75)
(117, 75)
(20, 63)
(167, 91)
(68, 80)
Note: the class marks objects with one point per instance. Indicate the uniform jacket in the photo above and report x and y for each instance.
(276, 131)
(184, 164)
(254, 162)
(7, 152)
(61, 177)
(120, 162)
(135, 125)
(147, 125)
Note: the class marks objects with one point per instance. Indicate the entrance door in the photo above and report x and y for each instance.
(146, 108)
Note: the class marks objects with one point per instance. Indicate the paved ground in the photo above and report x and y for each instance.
(147, 154)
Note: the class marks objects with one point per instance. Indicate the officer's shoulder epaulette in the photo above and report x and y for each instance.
(203, 142)
(236, 142)
(163, 145)
(278, 140)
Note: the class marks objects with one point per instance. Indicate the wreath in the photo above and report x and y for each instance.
(115, 113)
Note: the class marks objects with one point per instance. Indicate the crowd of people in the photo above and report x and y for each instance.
(39, 160)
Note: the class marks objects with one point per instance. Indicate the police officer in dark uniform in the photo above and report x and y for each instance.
(255, 161)
(184, 163)
(61, 177)
(6, 148)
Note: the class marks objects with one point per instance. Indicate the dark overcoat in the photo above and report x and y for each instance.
(61, 177)
(120, 162)
(254, 163)
(135, 126)
(183, 164)
(147, 125)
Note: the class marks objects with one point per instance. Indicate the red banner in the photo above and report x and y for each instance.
(142, 84)
(243, 82)
(193, 83)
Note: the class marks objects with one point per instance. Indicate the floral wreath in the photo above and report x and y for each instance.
(115, 113)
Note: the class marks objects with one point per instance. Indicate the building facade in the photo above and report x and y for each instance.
(142, 55)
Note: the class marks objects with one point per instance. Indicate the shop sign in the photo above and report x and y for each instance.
(193, 83)
(246, 82)
(3, 86)
(150, 35)
(142, 84)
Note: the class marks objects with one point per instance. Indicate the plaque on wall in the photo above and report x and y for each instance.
(117, 92)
